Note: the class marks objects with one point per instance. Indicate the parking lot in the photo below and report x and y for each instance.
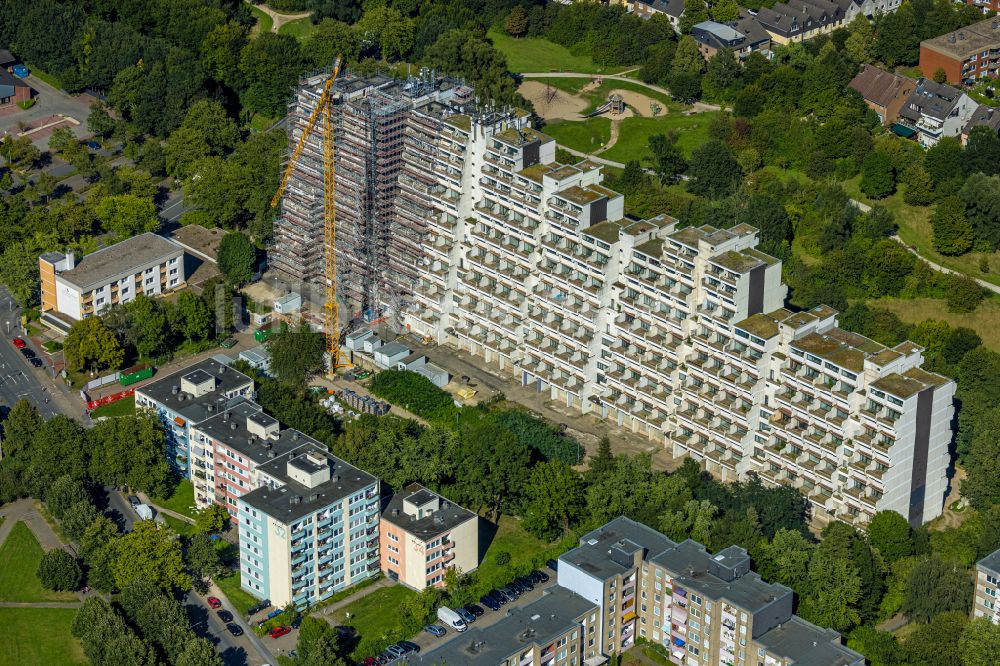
(50, 105)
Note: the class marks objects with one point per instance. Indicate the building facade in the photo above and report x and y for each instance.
(144, 264)
(703, 608)
(884, 92)
(185, 399)
(966, 54)
(423, 535)
(309, 530)
(936, 110)
(985, 603)
(13, 90)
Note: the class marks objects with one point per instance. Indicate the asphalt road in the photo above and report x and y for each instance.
(119, 510)
(207, 624)
(17, 378)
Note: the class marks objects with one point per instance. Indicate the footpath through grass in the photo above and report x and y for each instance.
(181, 501)
(300, 29)
(537, 54)
(20, 555)
(39, 637)
(634, 133)
(123, 407)
(264, 22)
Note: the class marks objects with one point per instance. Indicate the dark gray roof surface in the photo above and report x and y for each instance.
(933, 99)
(280, 504)
(196, 410)
(991, 562)
(537, 623)
(121, 258)
(804, 644)
(446, 518)
(230, 428)
(592, 554)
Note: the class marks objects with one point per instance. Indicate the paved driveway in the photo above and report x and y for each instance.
(49, 102)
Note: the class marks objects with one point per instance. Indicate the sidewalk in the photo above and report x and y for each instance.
(264, 653)
(24, 510)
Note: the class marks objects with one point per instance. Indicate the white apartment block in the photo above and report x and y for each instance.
(144, 264)
(675, 333)
(987, 584)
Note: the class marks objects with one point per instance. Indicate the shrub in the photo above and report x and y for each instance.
(415, 393)
(59, 570)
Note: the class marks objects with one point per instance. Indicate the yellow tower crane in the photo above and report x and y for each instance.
(324, 112)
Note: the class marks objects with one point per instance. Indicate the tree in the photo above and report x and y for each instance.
(99, 121)
(23, 421)
(59, 570)
(195, 317)
(203, 557)
(387, 28)
(722, 73)
(981, 196)
(220, 52)
(19, 271)
(767, 214)
(554, 496)
(952, 231)
(725, 11)
(296, 354)
(516, 23)
(21, 153)
(128, 451)
(687, 58)
(668, 161)
(78, 518)
(490, 466)
(329, 39)
(945, 163)
(270, 65)
(152, 554)
(91, 345)
(211, 520)
(982, 151)
(980, 642)
(206, 130)
(785, 559)
(860, 44)
(918, 188)
(887, 266)
(64, 493)
(940, 76)
(713, 170)
(834, 590)
(126, 215)
(937, 642)
(963, 293)
(315, 638)
(936, 586)
(602, 462)
(896, 38)
(237, 258)
(199, 652)
(982, 465)
(695, 11)
(146, 326)
(890, 534)
(877, 176)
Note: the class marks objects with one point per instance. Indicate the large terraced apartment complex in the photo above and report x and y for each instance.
(677, 333)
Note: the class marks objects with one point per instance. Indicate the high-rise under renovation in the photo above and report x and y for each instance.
(479, 239)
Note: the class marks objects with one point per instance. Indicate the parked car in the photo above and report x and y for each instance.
(509, 593)
(277, 632)
(491, 603)
(297, 622)
(517, 587)
(451, 618)
(465, 615)
(369, 661)
(526, 583)
(19, 343)
(553, 565)
(259, 607)
(228, 343)
(224, 615)
(134, 501)
(435, 630)
(35, 362)
(214, 603)
(408, 647)
(476, 611)
(235, 629)
(382, 659)
(539, 576)
(395, 651)
(20, 71)
(27, 353)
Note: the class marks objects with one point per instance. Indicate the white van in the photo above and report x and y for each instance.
(451, 619)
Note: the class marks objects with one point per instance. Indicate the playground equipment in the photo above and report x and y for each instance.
(615, 104)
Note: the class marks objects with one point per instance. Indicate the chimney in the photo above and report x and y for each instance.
(70, 260)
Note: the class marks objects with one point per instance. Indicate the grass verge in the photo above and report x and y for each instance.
(123, 407)
(536, 54)
(181, 501)
(19, 558)
(373, 616)
(39, 637)
(264, 22)
(984, 320)
(586, 135)
(634, 133)
(239, 599)
(53, 81)
(182, 527)
(300, 29)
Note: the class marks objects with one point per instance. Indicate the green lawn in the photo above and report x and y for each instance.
(45, 76)
(39, 637)
(182, 501)
(182, 527)
(634, 133)
(300, 28)
(264, 22)
(240, 599)
(123, 407)
(374, 616)
(526, 553)
(19, 558)
(983, 320)
(915, 230)
(586, 135)
(535, 54)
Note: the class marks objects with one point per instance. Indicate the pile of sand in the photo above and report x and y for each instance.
(640, 104)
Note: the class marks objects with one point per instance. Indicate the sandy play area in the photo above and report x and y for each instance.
(554, 104)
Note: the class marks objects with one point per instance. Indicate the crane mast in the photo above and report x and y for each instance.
(323, 115)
